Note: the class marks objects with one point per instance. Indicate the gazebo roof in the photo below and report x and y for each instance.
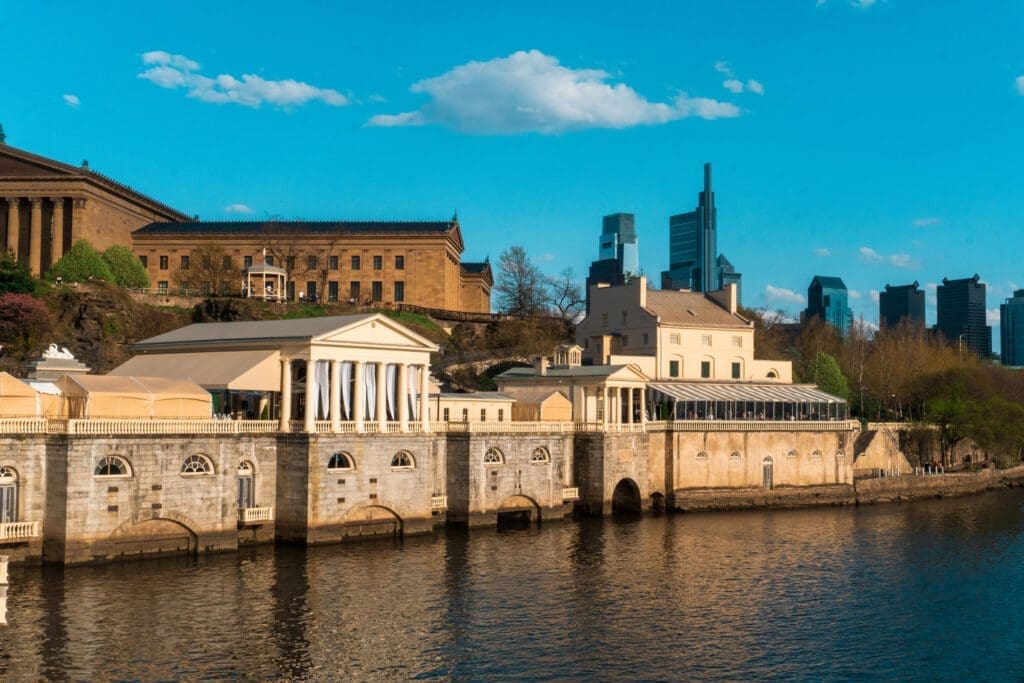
(265, 269)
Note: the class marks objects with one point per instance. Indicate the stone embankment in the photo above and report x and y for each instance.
(863, 491)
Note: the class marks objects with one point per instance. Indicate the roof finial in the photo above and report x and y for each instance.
(455, 216)
(3, 135)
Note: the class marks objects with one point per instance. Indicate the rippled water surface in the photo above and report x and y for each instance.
(931, 590)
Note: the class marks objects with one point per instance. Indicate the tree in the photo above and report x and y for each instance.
(15, 277)
(520, 286)
(23, 320)
(565, 295)
(824, 371)
(80, 264)
(210, 269)
(125, 267)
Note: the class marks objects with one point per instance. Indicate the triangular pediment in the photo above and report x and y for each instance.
(377, 330)
(15, 164)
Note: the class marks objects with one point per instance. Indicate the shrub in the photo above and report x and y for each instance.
(81, 263)
(125, 267)
(15, 277)
(23, 319)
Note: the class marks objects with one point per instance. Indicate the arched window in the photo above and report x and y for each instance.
(403, 461)
(246, 485)
(112, 466)
(8, 495)
(197, 464)
(540, 455)
(341, 461)
(840, 454)
(735, 455)
(493, 457)
(702, 456)
(245, 469)
(772, 374)
(791, 454)
(816, 455)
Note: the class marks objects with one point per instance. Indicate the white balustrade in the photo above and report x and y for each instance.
(439, 503)
(255, 515)
(12, 531)
(570, 493)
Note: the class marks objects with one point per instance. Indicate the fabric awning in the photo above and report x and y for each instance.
(235, 370)
(17, 399)
(773, 393)
(106, 396)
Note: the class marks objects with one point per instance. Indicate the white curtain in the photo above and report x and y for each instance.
(413, 396)
(370, 389)
(390, 373)
(323, 386)
(346, 390)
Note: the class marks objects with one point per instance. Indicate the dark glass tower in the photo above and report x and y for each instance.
(961, 314)
(1011, 330)
(903, 302)
(693, 244)
(827, 298)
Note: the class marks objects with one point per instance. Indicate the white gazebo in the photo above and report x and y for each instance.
(264, 281)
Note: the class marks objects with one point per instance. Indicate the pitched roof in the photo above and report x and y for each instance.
(692, 309)
(829, 281)
(476, 266)
(297, 228)
(563, 371)
(18, 164)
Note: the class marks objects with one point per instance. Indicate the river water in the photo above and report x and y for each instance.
(929, 590)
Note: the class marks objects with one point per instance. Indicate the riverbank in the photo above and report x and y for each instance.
(861, 492)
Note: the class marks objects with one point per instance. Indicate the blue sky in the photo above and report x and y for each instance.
(878, 141)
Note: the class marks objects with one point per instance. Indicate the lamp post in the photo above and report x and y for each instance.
(960, 346)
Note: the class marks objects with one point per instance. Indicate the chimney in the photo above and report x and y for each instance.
(541, 365)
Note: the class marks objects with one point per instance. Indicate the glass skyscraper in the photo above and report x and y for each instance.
(903, 302)
(1011, 330)
(827, 298)
(619, 241)
(961, 314)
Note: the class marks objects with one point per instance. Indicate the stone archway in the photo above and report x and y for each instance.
(372, 520)
(626, 498)
(518, 512)
(154, 536)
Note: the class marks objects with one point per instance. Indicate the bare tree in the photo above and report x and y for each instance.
(565, 295)
(520, 286)
(211, 270)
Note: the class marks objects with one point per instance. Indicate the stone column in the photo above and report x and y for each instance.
(35, 237)
(643, 405)
(13, 225)
(335, 396)
(286, 395)
(309, 421)
(382, 398)
(358, 396)
(629, 405)
(77, 218)
(57, 235)
(604, 413)
(402, 396)
(425, 398)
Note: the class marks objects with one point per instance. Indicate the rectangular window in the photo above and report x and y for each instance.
(311, 263)
(378, 262)
(465, 414)
(163, 263)
(399, 291)
(737, 342)
(483, 414)
(162, 286)
(377, 289)
(355, 263)
(185, 262)
(501, 414)
(673, 339)
(625, 340)
(736, 371)
(647, 339)
(226, 263)
(353, 291)
(705, 340)
(269, 260)
(447, 415)
(290, 289)
(705, 369)
(290, 264)
(604, 320)
(673, 368)
(332, 291)
(332, 262)
(399, 263)
(247, 261)
(625, 317)
(310, 290)
(144, 260)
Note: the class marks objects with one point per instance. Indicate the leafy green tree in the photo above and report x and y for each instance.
(125, 267)
(823, 370)
(81, 263)
(15, 277)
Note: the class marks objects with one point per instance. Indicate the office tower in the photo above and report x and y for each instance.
(961, 314)
(827, 299)
(902, 302)
(1011, 330)
(693, 244)
(619, 241)
(727, 275)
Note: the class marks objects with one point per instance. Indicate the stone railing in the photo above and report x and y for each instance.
(22, 425)
(753, 426)
(101, 427)
(570, 493)
(255, 515)
(16, 531)
(439, 503)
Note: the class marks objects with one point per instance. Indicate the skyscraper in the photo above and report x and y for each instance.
(827, 299)
(1011, 330)
(961, 314)
(903, 302)
(619, 241)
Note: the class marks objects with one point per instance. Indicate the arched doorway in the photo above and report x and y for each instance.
(626, 498)
(767, 474)
(657, 502)
(373, 520)
(156, 536)
(516, 513)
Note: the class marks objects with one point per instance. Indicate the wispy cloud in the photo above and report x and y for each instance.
(238, 208)
(874, 294)
(1019, 82)
(860, 4)
(853, 294)
(781, 295)
(533, 92)
(822, 252)
(178, 71)
(869, 255)
(927, 222)
(734, 84)
(992, 316)
(72, 101)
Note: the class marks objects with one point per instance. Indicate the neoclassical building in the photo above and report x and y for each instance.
(50, 205)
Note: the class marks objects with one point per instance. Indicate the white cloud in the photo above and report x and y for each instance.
(238, 208)
(869, 255)
(822, 252)
(902, 261)
(72, 101)
(927, 222)
(1020, 85)
(733, 86)
(533, 92)
(992, 316)
(548, 257)
(178, 71)
(853, 294)
(781, 295)
(723, 67)
(874, 294)
(755, 87)
(376, 97)
(860, 4)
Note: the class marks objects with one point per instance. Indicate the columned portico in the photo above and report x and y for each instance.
(57, 232)
(335, 396)
(13, 225)
(309, 417)
(403, 397)
(382, 398)
(35, 237)
(358, 397)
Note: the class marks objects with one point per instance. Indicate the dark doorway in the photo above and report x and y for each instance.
(514, 520)
(626, 498)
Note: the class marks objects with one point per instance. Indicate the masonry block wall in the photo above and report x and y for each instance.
(605, 460)
(26, 457)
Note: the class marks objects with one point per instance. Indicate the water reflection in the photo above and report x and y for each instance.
(928, 590)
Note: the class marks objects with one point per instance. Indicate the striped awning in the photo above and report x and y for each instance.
(764, 393)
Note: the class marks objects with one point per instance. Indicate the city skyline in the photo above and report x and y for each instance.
(860, 160)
